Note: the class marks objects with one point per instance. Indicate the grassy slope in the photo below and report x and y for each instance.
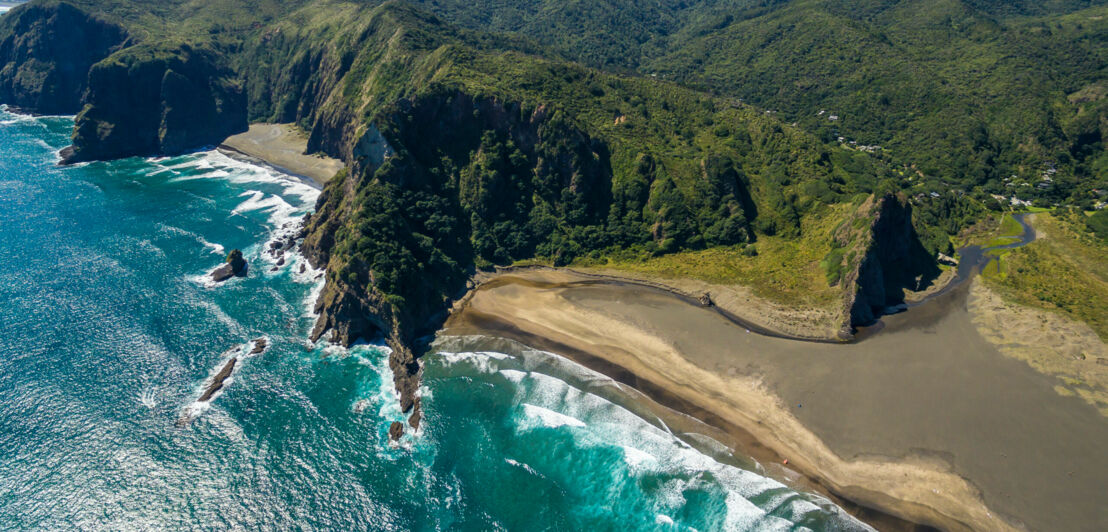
(782, 270)
(1065, 272)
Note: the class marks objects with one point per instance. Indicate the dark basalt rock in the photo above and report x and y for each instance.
(219, 379)
(893, 259)
(235, 267)
(396, 430)
(259, 345)
(416, 416)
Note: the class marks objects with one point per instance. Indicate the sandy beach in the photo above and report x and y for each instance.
(925, 420)
(282, 146)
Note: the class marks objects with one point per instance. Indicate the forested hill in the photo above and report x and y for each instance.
(970, 93)
(463, 149)
(467, 148)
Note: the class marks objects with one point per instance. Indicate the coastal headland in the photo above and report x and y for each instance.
(926, 420)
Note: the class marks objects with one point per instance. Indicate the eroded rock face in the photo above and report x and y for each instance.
(892, 259)
(157, 100)
(46, 52)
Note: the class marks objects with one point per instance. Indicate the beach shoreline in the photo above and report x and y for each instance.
(764, 438)
(282, 147)
(647, 338)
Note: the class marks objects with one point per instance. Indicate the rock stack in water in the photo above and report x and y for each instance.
(235, 266)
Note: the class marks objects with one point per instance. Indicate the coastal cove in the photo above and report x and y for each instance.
(115, 335)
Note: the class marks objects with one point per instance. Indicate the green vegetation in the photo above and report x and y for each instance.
(1064, 272)
(1098, 224)
(468, 148)
(1008, 232)
(536, 158)
(980, 95)
(781, 269)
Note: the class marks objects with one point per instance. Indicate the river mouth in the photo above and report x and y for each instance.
(973, 259)
(927, 389)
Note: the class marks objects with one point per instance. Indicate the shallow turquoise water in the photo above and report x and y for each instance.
(108, 333)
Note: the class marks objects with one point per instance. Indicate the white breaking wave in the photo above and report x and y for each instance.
(547, 402)
(148, 398)
(549, 418)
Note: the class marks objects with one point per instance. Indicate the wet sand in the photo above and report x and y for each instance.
(925, 420)
(282, 146)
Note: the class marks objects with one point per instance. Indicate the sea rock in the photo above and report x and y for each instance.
(303, 267)
(396, 430)
(235, 266)
(223, 273)
(219, 379)
(281, 260)
(259, 345)
(416, 416)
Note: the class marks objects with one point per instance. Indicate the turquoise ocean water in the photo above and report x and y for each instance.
(108, 333)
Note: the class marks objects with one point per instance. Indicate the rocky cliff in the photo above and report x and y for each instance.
(885, 258)
(157, 100)
(46, 51)
(400, 233)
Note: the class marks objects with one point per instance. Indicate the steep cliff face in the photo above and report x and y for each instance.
(886, 258)
(46, 51)
(157, 100)
(400, 233)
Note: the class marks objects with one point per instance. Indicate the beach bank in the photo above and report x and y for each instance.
(283, 147)
(926, 421)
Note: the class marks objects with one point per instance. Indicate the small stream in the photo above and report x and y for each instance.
(972, 259)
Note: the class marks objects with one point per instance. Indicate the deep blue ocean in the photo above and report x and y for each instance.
(109, 333)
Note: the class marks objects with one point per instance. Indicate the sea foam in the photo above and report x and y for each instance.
(647, 448)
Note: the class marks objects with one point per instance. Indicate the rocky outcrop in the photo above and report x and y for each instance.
(46, 51)
(218, 380)
(888, 258)
(390, 161)
(157, 100)
(235, 266)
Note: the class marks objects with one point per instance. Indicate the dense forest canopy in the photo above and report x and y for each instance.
(971, 94)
